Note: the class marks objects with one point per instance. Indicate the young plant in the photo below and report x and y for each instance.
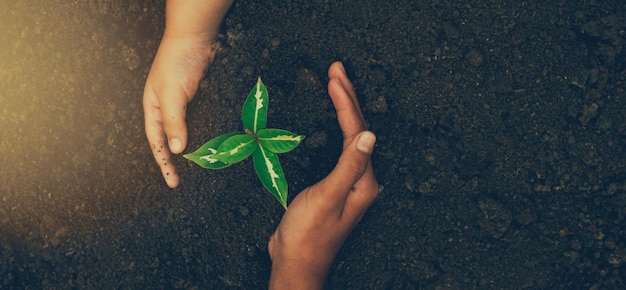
(263, 144)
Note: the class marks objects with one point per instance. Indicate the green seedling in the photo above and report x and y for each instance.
(263, 144)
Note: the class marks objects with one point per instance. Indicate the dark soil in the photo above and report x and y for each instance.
(501, 144)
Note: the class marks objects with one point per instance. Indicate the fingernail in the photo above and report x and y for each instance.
(338, 82)
(342, 67)
(175, 145)
(366, 142)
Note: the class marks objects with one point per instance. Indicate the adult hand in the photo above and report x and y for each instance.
(320, 218)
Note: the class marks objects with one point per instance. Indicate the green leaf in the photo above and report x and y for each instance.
(267, 167)
(254, 113)
(236, 148)
(278, 140)
(204, 155)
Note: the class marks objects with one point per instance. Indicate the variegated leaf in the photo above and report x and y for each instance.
(278, 140)
(267, 167)
(204, 155)
(236, 148)
(254, 112)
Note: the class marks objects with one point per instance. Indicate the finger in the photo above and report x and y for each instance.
(337, 70)
(365, 192)
(156, 139)
(350, 120)
(352, 164)
(173, 105)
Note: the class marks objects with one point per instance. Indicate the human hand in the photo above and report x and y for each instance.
(186, 51)
(179, 65)
(320, 218)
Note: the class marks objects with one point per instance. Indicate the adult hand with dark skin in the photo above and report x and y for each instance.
(186, 51)
(320, 218)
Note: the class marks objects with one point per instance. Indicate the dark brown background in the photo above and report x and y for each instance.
(501, 144)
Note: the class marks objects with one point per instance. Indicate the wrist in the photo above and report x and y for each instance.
(189, 38)
(297, 274)
(195, 17)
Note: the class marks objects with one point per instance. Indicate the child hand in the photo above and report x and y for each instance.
(186, 51)
(179, 65)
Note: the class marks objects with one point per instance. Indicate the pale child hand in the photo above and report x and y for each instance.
(186, 51)
(320, 218)
(173, 81)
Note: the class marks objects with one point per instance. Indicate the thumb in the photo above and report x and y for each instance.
(173, 110)
(352, 164)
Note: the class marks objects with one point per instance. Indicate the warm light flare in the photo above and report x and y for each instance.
(71, 123)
